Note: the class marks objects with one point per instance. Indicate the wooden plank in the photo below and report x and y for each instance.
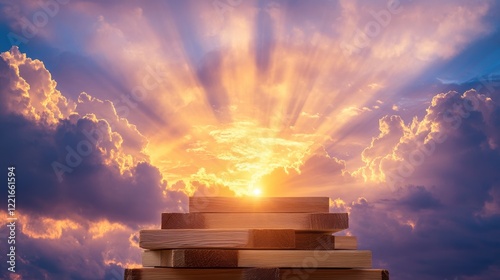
(305, 258)
(254, 274)
(259, 204)
(157, 258)
(325, 222)
(321, 241)
(202, 274)
(194, 258)
(303, 241)
(345, 242)
(217, 238)
(203, 258)
(333, 274)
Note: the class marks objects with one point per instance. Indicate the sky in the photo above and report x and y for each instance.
(115, 111)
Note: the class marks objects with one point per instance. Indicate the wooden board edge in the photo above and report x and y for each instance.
(253, 273)
(272, 239)
(206, 204)
(385, 274)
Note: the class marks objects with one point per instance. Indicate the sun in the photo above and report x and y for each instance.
(256, 192)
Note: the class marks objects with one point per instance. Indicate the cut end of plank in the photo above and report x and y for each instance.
(261, 273)
(333, 221)
(385, 274)
(182, 221)
(269, 238)
(133, 274)
(206, 258)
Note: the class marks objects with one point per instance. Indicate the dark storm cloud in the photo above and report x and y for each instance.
(89, 188)
(74, 254)
(68, 168)
(416, 198)
(447, 226)
(438, 243)
(77, 208)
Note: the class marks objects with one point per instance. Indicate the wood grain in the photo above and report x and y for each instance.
(258, 204)
(193, 258)
(325, 222)
(321, 241)
(202, 274)
(254, 274)
(206, 258)
(201, 258)
(305, 258)
(157, 258)
(334, 274)
(216, 238)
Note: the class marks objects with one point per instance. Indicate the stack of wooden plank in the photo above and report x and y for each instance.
(261, 238)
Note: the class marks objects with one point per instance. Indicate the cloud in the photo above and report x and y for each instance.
(28, 89)
(392, 129)
(83, 177)
(236, 155)
(317, 174)
(454, 122)
(48, 248)
(76, 162)
(445, 198)
(125, 145)
(369, 27)
(416, 198)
